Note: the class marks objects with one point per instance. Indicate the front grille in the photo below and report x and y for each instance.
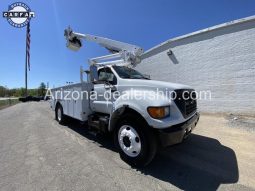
(186, 106)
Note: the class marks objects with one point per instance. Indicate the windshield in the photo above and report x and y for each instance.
(128, 73)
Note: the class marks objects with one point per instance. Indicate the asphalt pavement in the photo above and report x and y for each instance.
(36, 153)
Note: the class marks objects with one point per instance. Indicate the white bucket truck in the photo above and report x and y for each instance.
(118, 99)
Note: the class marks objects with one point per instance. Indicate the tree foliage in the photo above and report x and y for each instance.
(20, 92)
(42, 89)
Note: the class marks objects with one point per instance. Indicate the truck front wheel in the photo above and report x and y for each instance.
(135, 141)
(59, 114)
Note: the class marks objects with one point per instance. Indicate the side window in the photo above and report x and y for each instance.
(106, 75)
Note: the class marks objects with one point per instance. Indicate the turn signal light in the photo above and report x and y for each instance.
(159, 112)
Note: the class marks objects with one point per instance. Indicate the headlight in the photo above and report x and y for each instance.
(159, 112)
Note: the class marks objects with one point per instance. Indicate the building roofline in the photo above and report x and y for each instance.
(227, 24)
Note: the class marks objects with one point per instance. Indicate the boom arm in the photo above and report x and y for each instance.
(128, 52)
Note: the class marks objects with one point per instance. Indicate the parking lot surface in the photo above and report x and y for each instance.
(36, 153)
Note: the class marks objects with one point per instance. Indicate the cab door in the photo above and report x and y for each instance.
(101, 99)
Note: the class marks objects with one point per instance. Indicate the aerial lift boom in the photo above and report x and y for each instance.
(127, 54)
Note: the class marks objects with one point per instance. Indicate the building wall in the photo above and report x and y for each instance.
(220, 59)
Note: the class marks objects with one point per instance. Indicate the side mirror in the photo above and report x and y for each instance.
(113, 89)
(109, 86)
(93, 73)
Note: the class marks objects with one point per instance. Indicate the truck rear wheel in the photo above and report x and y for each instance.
(59, 114)
(135, 141)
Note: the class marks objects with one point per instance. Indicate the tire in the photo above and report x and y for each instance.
(142, 145)
(59, 114)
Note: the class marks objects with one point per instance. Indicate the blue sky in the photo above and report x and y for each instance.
(142, 22)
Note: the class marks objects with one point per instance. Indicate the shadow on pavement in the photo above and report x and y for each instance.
(199, 163)
(103, 140)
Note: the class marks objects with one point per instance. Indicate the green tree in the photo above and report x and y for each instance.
(42, 89)
(22, 92)
(4, 91)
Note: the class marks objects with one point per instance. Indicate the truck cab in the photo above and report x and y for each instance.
(123, 85)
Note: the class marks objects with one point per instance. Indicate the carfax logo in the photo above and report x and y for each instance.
(18, 14)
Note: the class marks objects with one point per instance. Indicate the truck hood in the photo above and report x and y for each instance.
(154, 84)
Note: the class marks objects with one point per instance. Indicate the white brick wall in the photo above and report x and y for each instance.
(220, 59)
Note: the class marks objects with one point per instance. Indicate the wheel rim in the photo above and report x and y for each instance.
(59, 114)
(129, 141)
